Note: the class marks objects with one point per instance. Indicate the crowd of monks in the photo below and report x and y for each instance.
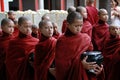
(31, 52)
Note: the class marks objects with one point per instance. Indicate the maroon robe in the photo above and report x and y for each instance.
(111, 54)
(34, 35)
(69, 48)
(16, 31)
(92, 14)
(64, 26)
(87, 27)
(56, 35)
(100, 34)
(17, 57)
(44, 56)
(4, 41)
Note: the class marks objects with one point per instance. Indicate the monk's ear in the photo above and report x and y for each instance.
(67, 24)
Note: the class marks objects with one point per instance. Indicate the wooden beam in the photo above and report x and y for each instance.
(20, 5)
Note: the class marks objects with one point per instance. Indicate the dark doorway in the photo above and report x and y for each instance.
(14, 5)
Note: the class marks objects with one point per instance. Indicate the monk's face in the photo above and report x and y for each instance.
(76, 26)
(8, 28)
(47, 29)
(103, 16)
(114, 30)
(84, 13)
(26, 27)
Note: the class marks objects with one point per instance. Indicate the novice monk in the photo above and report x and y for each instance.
(111, 53)
(11, 15)
(56, 34)
(45, 50)
(64, 25)
(34, 31)
(87, 27)
(92, 12)
(19, 49)
(69, 48)
(100, 30)
(7, 26)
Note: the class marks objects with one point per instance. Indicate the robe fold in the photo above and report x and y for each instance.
(92, 14)
(87, 28)
(64, 26)
(69, 48)
(44, 56)
(17, 57)
(100, 33)
(111, 53)
(4, 41)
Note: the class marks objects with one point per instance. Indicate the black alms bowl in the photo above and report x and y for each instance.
(93, 56)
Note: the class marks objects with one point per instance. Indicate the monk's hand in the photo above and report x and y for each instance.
(88, 65)
(98, 69)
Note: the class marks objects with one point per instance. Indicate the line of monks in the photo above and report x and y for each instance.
(31, 53)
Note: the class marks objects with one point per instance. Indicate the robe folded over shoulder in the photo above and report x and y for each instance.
(4, 41)
(57, 35)
(17, 57)
(44, 56)
(87, 28)
(64, 26)
(100, 33)
(16, 31)
(111, 55)
(69, 48)
(92, 14)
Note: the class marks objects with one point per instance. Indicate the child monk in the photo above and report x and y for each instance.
(45, 50)
(56, 34)
(11, 15)
(19, 49)
(100, 30)
(7, 27)
(111, 53)
(64, 25)
(92, 12)
(69, 48)
(87, 27)
(35, 31)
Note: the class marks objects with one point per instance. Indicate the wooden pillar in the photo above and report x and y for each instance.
(82, 2)
(2, 5)
(20, 5)
(62, 6)
(106, 4)
(36, 5)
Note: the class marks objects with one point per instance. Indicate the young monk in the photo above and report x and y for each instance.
(100, 30)
(56, 34)
(19, 49)
(34, 31)
(64, 25)
(45, 17)
(11, 15)
(87, 27)
(111, 53)
(68, 52)
(45, 50)
(91, 12)
(7, 26)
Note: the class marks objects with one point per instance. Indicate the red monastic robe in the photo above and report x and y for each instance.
(100, 34)
(92, 14)
(111, 55)
(17, 57)
(64, 26)
(69, 48)
(44, 56)
(34, 35)
(87, 28)
(16, 31)
(4, 41)
(56, 35)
